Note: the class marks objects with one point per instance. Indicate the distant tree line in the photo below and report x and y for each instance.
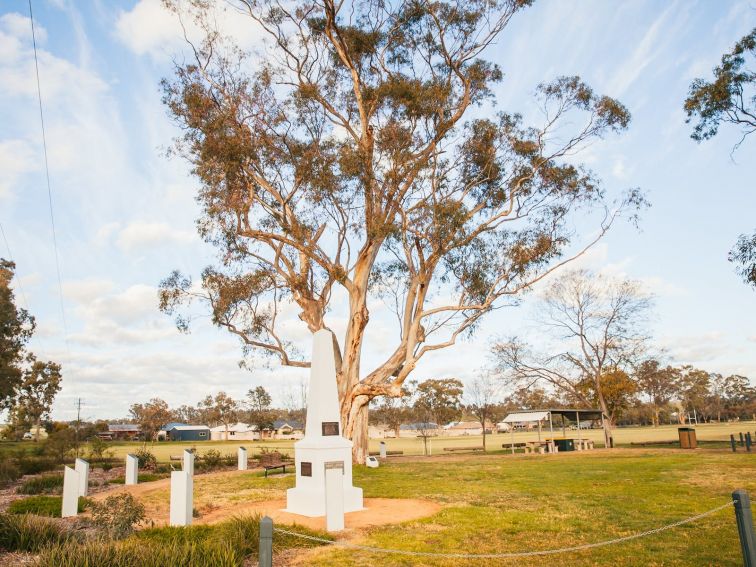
(220, 409)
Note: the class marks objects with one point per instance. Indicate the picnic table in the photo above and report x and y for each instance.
(454, 449)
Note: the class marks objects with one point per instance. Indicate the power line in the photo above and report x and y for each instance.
(47, 176)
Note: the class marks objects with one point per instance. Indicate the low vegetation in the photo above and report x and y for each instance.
(42, 505)
(227, 544)
(45, 484)
(144, 477)
(117, 515)
(30, 533)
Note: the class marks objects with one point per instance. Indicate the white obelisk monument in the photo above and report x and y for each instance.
(322, 447)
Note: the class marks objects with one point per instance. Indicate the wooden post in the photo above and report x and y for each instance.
(748, 441)
(742, 441)
(732, 443)
(265, 553)
(745, 526)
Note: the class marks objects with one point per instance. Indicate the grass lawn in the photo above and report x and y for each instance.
(504, 503)
(715, 432)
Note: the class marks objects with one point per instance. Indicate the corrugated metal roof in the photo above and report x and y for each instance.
(526, 416)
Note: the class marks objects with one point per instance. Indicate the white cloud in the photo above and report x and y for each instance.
(142, 235)
(149, 28)
(16, 159)
(83, 291)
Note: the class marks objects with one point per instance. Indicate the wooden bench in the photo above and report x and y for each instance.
(176, 458)
(454, 449)
(388, 453)
(513, 446)
(273, 461)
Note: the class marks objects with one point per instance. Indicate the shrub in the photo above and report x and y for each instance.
(42, 505)
(9, 472)
(147, 460)
(47, 484)
(212, 459)
(98, 449)
(60, 444)
(28, 464)
(31, 533)
(117, 515)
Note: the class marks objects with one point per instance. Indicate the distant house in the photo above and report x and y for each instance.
(460, 428)
(287, 429)
(184, 432)
(121, 431)
(419, 429)
(380, 431)
(237, 431)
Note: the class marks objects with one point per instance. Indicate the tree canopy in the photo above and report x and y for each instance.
(339, 166)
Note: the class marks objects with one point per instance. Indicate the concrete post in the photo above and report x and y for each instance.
(132, 469)
(334, 496)
(383, 449)
(265, 552)
(182, 497)
(188, 464)
(242, 458)
(70, 506)
(82, 467)
(744, 518)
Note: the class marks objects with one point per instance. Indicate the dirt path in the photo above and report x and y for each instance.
(377, 512)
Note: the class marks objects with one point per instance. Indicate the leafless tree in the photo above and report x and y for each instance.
(483, 396)
(598, 324)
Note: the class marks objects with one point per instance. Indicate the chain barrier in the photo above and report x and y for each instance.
(507, 555)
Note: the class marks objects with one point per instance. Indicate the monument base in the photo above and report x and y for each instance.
(308, 497)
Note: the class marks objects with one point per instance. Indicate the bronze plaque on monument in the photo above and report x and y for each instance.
(306, 469)
(330, 428)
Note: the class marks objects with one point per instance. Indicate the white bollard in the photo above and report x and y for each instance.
(188, 465)
(242, 454)
(383, 449)
(132, 469)
(70, 493)
(334, 496)
(182, 487)
(82, 467)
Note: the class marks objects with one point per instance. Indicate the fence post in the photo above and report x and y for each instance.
(732, 443)
(742, 441)
(265, 552)
(748, 441)
(745, 526)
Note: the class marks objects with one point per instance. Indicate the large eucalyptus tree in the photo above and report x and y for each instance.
(339, 164)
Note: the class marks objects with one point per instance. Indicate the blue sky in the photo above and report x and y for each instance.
(125, 213)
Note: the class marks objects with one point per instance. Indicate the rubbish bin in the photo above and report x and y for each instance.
(687, 437)
(565, 444)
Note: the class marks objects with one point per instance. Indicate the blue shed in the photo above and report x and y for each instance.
(185, 432)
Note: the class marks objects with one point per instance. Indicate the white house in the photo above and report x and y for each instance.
(460, 428)
(236, 432)
(283, 429)
(381, 431)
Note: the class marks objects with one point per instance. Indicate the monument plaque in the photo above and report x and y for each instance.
(322, 442)
(330, 428)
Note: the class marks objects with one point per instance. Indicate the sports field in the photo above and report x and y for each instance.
(715, 432)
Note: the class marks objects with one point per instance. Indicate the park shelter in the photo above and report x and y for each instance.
(538, 416)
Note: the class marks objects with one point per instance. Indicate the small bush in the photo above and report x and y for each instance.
(28, 464)
(47, 484)
(31, 533)
(98, 449)
(212, 459)
(9, 472)
(117, 515)
(147, 461)
(42, 506)
(106, 466)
